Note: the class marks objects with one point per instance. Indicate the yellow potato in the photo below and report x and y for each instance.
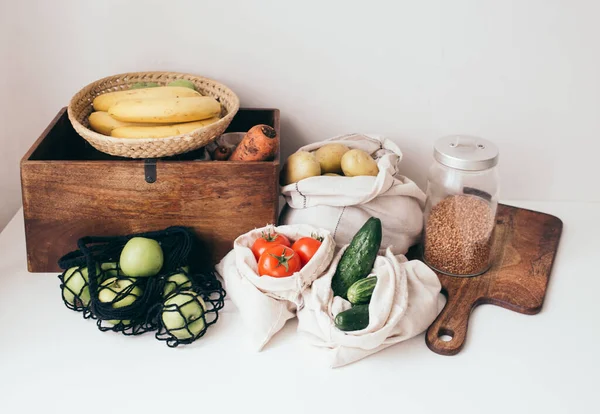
(330, 157)
(160, 131)
(105, 101)
(357, 162)
(166, 111)
(299, 166)
(103, 123)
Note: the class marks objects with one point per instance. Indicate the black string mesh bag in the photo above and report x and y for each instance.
(179, 303)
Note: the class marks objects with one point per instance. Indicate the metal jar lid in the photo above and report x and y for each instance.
(465, 152)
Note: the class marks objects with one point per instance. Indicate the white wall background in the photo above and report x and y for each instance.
(523, 73)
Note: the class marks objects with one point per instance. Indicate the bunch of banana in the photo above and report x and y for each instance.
(151, 111)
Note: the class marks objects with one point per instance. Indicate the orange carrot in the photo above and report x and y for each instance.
(259, 144)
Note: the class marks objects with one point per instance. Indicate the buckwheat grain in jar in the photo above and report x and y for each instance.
(462, 200)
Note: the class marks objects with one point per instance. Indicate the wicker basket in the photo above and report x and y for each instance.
(80, 108)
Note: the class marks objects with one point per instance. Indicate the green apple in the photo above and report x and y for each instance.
(76, 290)
(183, 82)
(141, 257)
(112, 288)
(184, 309)
(177, 281)
(110, 269)
(142, 85)
(125, 322)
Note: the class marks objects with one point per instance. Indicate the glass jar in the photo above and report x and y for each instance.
(462, 200)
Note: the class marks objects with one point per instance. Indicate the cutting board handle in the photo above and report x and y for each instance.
(447, 334)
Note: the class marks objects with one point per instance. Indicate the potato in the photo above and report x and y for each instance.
(299, 166)
(332, 175)
(330, 157)
(357, 162)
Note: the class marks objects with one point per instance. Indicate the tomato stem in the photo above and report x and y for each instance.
(269, 236)
(283, 260)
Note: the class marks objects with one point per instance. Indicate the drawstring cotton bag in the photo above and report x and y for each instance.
(343, 204)
(403, 305)
(265, 303)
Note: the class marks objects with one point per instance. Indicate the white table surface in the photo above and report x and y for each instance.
(52, 360)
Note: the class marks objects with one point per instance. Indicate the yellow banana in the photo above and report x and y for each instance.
(160, 131)
(103, 123)
(104, 102)
(166, 111)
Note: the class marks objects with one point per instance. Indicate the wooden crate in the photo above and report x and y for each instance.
(71, 190)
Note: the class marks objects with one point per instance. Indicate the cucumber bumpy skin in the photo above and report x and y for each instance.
(362, 290)
(358, 259)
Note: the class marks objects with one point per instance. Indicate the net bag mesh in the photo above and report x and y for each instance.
(179, 303)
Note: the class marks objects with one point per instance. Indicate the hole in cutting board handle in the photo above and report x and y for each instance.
(445, 335)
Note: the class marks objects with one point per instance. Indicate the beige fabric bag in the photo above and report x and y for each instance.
(404, 303)
(266, 303)
(343, 204)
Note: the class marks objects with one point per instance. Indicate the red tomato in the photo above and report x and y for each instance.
(268, 240)
(306, 247)
(279, 261)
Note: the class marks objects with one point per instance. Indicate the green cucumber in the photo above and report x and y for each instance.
(353, 319)
(358, 259)
(362, 290)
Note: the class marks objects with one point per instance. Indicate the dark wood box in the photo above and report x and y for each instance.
(71, 190)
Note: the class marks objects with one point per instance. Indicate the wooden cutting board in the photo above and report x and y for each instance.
(527, 245)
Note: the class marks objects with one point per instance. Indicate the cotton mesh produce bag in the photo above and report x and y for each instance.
(265, 303)
(406, 300)
(195, 285)
(343, 204)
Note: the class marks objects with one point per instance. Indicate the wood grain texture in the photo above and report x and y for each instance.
(527, 242)
(68, 198)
